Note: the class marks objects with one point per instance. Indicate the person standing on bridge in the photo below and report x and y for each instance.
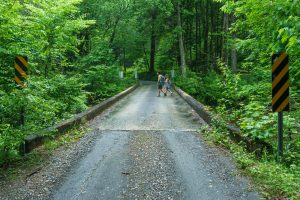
(168, 85)
(160, 83)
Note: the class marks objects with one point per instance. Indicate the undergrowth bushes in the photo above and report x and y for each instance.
(103, 82)
(48, 101)
(274, 180)
(44, 102)
(245, 100)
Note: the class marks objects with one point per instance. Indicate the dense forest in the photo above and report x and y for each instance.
(220, 50)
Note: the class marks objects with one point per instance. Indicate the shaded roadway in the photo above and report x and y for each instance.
(148, 148)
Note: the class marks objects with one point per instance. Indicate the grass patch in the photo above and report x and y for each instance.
(70, 137)
(36, 159)
(272, 179)
(24, 165)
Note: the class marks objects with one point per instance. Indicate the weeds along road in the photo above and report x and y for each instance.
(148, 148)
(143, 147)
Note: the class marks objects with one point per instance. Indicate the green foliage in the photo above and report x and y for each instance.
(272, 179)
(53, 34)
(205, 88)
(230, 84)
(44, 103)
(117, 34)
(280, 28)
(256, 123)
(106, 44)
(191, 84)
(255, 44)
(279, 33)
(140, 65)
(245, 100)
(71, 136)
(9, 143)
(275, 180)
(211, 93)
(45, 31)
(100, 53)
(168, 45)
(74, 97)
(103, 82)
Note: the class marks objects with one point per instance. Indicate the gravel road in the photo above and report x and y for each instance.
(144, 147)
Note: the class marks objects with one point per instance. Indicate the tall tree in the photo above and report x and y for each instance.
(180, 38)
(153, 39)
(156, 14)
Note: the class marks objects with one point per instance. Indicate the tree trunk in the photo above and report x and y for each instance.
(224, 42)
(112, 38)
(46, 70)
(146, 57)
(206, 40)
(190, 40)
(213, 38)
(190, 20)
(218, 29)
(124, 61)
(233, 49)
(197, 35)
(181, 45)
(152, 48)
(234, 59)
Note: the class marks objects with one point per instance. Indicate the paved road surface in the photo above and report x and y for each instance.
(148, 148)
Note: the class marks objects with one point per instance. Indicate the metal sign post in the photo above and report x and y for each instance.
(280, 93)
(280, 135)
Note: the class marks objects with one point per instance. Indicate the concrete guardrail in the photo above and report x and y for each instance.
(35, 140)
(256, 145)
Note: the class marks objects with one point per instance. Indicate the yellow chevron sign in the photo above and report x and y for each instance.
(280, 82)
(21, 68)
